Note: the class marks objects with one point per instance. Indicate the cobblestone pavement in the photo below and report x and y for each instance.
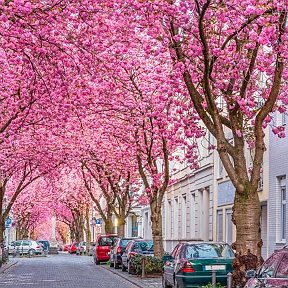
(148, 282)
(65, 271)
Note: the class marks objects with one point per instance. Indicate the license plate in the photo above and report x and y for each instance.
(215, 267)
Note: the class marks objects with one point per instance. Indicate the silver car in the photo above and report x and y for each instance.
(30, 247)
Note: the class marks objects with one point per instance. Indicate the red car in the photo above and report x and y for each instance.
(66, 247)
(103, 247)
(272, 273)
(73, 248)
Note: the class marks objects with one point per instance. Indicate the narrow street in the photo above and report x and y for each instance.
(60, 271)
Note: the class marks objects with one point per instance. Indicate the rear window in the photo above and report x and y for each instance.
(143, 246)
(124, 242)
(107, 241)
(208, 251)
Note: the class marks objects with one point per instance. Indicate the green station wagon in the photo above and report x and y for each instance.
(191, 264)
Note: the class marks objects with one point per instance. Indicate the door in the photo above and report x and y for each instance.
(26, 246)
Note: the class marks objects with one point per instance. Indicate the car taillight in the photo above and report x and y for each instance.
(187, 267)
(118, 250)
(38, 247)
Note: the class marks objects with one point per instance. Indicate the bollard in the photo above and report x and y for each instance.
(213, 278)
(143, 267)
(229, 280)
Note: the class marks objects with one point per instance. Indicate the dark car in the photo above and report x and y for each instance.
(272, 273)
(136, 247)
(103, 246)
(45, 244)
(117, 251)
(191, 264)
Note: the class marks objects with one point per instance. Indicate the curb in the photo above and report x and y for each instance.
(5, 267)
(131, 280)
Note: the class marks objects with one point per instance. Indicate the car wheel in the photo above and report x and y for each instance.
(116, 265)
(129, 268)
(123, 268)
(31, 252)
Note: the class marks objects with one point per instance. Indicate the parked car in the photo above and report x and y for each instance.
(73, 248)
(11, 247)
(66, 247)
(26, 247)
(117, 251)
(81, 248)
(136, 247)
(103, 247)
(45, 244)
(91, 248)
(191, 264)
(272, 273)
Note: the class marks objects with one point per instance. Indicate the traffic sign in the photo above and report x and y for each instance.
(99, 221)
(8, 222)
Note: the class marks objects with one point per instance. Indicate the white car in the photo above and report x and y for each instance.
(81, 248)
(30, 247)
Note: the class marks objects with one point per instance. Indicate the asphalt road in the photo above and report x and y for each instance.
(60, 271)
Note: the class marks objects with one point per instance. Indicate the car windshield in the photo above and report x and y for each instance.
(124, 242)
(107, 241)
(143, 246)
(208, 251)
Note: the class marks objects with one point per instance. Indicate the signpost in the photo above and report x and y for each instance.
(8, 222)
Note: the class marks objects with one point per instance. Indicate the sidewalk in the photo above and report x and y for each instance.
(9, 264)
(154, 282)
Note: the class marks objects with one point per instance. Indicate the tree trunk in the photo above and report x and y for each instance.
(108, 223)
(87, 230)
(246, 217)
(156, 220)
(121, 227)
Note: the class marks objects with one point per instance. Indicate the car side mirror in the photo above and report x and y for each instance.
(250, 273)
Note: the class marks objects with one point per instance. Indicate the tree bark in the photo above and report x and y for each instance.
(87, 230)
(108, 222)
(156, 221)
(246, 217)
(121, 227)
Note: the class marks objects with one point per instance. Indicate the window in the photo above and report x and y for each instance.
(283, 212)
(175, 217)
(219, 225)
(283, 119)
(26, 243)
(183, 215)
(169, 221)
(229, 226)
(268, 267)
(192, 215)
(220, 168)
(176, 250)
(208, 251)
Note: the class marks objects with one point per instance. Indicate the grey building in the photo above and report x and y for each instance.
(278, 173)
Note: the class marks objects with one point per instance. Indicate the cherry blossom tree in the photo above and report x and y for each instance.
(232, 58)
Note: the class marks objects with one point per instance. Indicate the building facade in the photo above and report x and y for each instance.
(278, 173)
